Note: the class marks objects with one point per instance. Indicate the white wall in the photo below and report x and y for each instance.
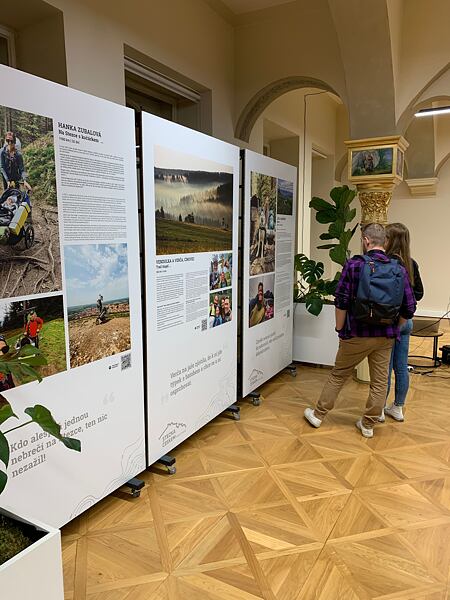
(425, 47)
(428, 221)
(326, 129)
(185, 35)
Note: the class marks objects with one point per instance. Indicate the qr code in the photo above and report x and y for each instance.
(288, 314)
(125, 361)
(204, 324)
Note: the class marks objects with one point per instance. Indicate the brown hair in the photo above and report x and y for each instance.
(375, 232)
(398, 244)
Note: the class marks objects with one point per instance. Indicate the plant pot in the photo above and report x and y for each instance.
(315, 339)
(36, 572)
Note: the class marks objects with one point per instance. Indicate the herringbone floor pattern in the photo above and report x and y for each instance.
(268, 508)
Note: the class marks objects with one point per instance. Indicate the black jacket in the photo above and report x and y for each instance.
(417, 283)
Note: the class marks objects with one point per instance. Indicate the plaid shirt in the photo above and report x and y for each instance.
(347, 289)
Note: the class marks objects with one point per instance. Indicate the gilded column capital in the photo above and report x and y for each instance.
(374, 206)
(376, 166)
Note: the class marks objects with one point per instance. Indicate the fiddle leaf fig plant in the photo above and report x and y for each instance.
(22, 365)
(310, 287)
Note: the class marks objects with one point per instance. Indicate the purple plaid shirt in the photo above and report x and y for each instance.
(346, 290)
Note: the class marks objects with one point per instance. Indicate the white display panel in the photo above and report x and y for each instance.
(79, 154)
(191, 192)
(268, 268)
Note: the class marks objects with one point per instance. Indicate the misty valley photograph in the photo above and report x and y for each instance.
(193, 203)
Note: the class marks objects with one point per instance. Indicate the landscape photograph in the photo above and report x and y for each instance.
(98, 301)
(36, 323)
(193, 203)
(285, 197)
(30, 260)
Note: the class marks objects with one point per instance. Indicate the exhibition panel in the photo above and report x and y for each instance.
(70, 300)
(191, 194)
(269, 211)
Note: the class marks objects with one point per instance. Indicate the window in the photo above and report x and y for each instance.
(7, 49)
(151, 91)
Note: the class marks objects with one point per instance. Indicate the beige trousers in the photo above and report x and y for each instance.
(351, 352)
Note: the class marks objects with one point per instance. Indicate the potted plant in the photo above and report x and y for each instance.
(315, 340)
(30, 552)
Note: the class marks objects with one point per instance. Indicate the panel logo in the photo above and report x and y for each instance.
(255, 376)
(171, 433)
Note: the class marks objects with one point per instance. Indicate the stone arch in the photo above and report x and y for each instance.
(441, 164)
(419, 101)
(340, 165)
(261, 100)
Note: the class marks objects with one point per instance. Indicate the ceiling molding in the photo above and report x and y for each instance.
(222, 9)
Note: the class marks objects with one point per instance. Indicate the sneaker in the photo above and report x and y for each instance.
(396, 412)
(367, 433)
(382, 418)
(311, 418)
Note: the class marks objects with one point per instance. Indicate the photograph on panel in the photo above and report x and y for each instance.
(97, 301)
(220, 308)
(285, 197)
(193, 203)
(220, 271)
(263, 218)
(30, 261)
(31, 329)
(261, 304)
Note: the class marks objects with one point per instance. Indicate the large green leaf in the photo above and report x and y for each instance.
(31, 356)
(299, 261)
(3, 481)
(342, 196)
(339, 254)
(335, 229)
(319, 204)
(326, 236)
(6, 411)
(4, 449)
(330, 287)
(313, 271)
(326, 216)
(314, 305)
(43, 417)
(326, 246)
(349, 214)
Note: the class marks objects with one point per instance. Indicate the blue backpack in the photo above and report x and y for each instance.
(380, 292)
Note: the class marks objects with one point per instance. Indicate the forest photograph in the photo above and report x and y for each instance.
(193, 203)
(263, 219)
(37, 323)
(30, 261)
(285, 197)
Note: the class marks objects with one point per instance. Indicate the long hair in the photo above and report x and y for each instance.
(398, 244)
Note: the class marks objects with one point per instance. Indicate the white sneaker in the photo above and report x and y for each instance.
(311, 418)
(396, 412)
(382, 418)
(367, 433)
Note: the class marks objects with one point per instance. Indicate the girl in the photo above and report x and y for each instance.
(398, 246)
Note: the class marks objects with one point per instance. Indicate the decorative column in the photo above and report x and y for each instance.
(375, 166)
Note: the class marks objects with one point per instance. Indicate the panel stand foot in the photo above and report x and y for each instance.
(292, 370)
(135, 486)
(168, 462)
(255, 398)
(234, 411)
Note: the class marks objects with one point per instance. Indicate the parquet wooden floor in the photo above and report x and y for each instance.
(269, 508)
